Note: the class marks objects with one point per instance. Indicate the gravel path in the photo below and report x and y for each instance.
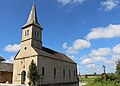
(82, 84)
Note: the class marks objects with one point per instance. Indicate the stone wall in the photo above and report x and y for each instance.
(62, 84)
(67, 84)
(49, 64)
(6, 76)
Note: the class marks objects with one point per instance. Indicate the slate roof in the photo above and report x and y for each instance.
(32, 19)
(1, 59)
(6, 67)
(53, 54)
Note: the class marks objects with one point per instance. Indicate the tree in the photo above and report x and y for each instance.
(32, 73)
(118, 69)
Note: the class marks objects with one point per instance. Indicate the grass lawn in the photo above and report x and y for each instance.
(87, 80)
(90, 82)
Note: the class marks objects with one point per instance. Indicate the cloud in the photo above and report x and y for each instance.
(78, 45)
(91, 60)
(101, 52)
(116, 49)
(65, 46)
(65, 2)
(91, 66)
(96, 55)
(115, 55)
(10, 60)
(98, 59)
(107, 56)
(113, 60)
(86, 61)
(83, 57)
(109, 5)
(110, 31)
(12, 48)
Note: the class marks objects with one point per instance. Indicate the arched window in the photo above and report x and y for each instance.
(54, 71)
(43, 71)
(63, 73)
(36, 33)
(69, 73)
(74, 73)
(27, 32)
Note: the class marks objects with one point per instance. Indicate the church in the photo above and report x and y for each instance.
(54, 68)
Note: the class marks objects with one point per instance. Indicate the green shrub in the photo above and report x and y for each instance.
(99, 79)
(104, 83)
(112, 77)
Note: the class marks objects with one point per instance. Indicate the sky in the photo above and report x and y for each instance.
(88, 31)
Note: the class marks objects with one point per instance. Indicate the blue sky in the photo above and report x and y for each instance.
(88, 31)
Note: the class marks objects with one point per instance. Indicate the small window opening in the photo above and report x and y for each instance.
(74, 73)
(36, 34)
(43, 71)
(54, 71)
(27, 33)
(69, 73)
(63, 73)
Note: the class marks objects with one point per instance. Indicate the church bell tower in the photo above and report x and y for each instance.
(32, 31)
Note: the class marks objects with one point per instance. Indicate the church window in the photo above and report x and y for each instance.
(74, 73)
(27, 33)
(43, 71)
(63, 73)
(25, 48)
(69, 73)
(54, 71)
(36, 33)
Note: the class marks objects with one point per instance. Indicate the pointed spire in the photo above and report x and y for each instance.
(32, 19)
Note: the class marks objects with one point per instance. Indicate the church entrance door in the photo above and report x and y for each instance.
(23, 77)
